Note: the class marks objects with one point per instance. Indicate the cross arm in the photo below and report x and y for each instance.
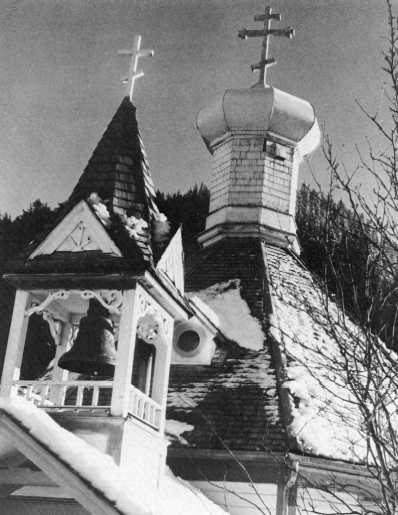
(261, 64)
(264, 17)
(288, 32)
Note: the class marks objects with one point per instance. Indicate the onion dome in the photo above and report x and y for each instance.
(259, 109)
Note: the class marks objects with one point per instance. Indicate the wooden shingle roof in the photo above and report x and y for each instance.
(234, 400)
(118, 169)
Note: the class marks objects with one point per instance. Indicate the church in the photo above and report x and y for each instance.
(203, 385)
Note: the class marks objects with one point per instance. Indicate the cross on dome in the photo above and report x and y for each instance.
(265, 33)
(136, 52)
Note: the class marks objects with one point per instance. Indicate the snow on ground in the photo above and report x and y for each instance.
(320, 344)
(233, 314)
(174, 496)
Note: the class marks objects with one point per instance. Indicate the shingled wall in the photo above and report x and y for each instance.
(246, 173)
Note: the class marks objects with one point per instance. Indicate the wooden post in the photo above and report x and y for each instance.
(161, 374)
(58, 392)
(125, 355)
(16, 342)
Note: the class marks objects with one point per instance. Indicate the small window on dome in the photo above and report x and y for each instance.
(188, 342)
(275, 150)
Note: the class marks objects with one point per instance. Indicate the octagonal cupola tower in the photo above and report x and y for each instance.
(257, 137)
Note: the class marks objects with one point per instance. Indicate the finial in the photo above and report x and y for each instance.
(265, 33)
(135, 53)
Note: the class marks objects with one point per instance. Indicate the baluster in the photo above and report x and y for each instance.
(132, 400)
(45, 395)
(79, 398)
(141, 408)
(135, 402)
(96, 391)
(14, 390)
(61, 395)
(157, 417)
(29, 392)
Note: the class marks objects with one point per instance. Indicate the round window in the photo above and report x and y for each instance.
(188, 341)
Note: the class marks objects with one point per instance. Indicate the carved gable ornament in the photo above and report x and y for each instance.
(79, 239)
(79, 231)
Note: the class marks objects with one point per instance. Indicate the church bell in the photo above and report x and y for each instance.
(93, 352)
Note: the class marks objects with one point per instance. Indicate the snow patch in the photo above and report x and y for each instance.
(134, 226)
(100, 208)
(206, 310)
(233, 316)
(175, 429)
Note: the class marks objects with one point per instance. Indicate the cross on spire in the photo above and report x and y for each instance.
(265, 33)
(136, 52)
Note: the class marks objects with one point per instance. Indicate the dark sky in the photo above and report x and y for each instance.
(60, 80)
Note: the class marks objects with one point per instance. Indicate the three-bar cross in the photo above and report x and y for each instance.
(136, 53)
(265, 33)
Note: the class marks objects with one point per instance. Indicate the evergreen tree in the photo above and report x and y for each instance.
(187, 209)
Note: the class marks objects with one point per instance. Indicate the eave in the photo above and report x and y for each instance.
(68, 280)
(62, 473)
(261, 466)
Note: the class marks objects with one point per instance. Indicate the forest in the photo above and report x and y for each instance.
(335, 247)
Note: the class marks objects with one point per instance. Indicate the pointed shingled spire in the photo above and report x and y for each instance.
(118, 169)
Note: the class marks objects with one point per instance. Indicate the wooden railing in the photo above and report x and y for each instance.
(144, 408)
(86, 394)
(66, 394)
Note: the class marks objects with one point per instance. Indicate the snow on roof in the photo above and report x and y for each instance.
(173, 497)
(233, 315)
(321, 346)
(175, 429)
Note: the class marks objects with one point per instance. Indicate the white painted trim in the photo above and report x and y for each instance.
(161, 375)
(60, 374)
(43, 492)
(15, 343)
(24, 476)
(80, 213)
(55, 468)
(164, 298)
(125, 354)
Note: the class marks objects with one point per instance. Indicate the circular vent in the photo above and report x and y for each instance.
(189, 338)
(188, 341)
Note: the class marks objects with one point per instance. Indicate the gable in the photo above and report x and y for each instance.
(79, 231)
(171, 263)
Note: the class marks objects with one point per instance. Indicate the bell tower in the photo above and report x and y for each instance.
(257, 138)
(93, 281)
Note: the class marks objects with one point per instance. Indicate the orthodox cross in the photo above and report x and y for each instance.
(136, 52)
(265, 33)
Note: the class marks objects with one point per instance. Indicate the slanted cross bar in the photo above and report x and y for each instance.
(136, 52)
(265, 33)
